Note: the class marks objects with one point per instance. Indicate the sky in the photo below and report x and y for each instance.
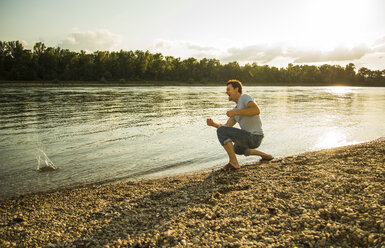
(268, 32)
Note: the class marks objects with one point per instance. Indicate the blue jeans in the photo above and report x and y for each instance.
(243, 140)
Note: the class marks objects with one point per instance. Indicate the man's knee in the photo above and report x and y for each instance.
(221, 130)
(222, 136)
(239, 150)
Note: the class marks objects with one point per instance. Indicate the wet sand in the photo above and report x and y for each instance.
(333, 197)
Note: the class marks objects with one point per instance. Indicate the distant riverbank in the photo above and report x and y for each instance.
(332, 197)
(159, 83)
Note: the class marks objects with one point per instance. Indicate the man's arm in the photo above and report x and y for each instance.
(230, 122)
(252, 109)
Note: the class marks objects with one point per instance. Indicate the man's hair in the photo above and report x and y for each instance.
(236, 84)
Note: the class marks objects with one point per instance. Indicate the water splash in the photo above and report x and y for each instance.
(44, 163)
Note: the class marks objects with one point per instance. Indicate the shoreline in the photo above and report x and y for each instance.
(130, 179)
(321, 198)
(162, 83)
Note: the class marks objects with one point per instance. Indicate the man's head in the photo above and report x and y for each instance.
(236, 84)
(234, 89)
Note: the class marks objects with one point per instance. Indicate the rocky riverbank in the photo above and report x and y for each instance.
(333, 197)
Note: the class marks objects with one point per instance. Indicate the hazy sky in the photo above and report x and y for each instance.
(273, 32)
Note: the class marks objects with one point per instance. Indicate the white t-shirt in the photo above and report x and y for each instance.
(251, 124)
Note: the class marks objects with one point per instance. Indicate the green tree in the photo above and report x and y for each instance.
(48, 63)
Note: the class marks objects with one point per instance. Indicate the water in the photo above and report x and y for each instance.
(111, 134)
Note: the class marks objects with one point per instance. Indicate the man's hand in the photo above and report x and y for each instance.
(231, 113)
(210, 122)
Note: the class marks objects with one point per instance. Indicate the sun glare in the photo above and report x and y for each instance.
(331, 139)
(339, 90)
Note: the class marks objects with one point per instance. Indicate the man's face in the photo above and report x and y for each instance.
(231, 92)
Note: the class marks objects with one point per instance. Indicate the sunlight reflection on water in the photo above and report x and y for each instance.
(333, 138)
(340, 90)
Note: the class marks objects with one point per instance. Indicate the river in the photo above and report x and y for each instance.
(128, 133)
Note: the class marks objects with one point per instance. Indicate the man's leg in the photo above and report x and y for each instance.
(228, 135)
(229, 147)
(255, 142)
(264, 156)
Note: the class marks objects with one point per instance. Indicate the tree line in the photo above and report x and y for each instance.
(55, 64)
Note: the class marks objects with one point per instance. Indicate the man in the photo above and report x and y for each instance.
(250, 136)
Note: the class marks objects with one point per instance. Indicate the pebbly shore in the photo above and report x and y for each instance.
(327, 198)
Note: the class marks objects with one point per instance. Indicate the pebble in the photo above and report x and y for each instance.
(231, 239)
(269, 240)
(195, 240)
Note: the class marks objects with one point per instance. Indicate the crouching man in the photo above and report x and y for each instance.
(250, 136)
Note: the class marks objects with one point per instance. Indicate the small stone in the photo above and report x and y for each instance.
(254, 236)
(371, 238)
(231, 239)
(269, 240)
(322, 242)
(195, 240)
(238, 235)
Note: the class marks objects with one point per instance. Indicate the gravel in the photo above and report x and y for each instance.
(333, 197)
